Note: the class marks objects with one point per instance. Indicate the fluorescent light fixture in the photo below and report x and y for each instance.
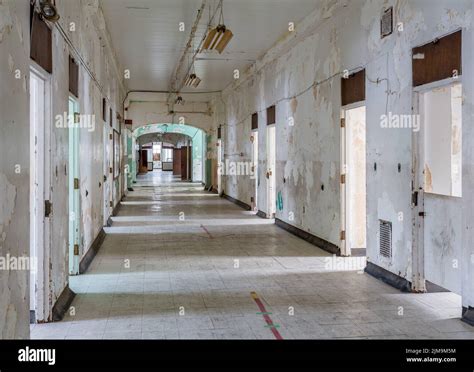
(192, 81)
(217, 39)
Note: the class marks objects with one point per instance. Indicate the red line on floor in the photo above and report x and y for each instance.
(267, 318)
(207, 232)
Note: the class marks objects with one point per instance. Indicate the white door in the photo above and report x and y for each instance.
(255, 168)
(107, 174)
(271, 162)
(40, 134)
(354, 209)
(438, 185)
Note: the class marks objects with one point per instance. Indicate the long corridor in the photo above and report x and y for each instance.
(179, 262)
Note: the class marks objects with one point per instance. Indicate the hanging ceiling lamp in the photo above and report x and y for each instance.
(179, 100)
(192, 81)
(48, 10)
(218, 37)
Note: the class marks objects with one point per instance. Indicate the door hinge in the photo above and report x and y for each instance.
(111, 204)
(343, 235)
(76, 249)
(48, 207)
(414, 199)
(111, 136)
(343, 179)
(422, 214)
(111, 170)
(77, 118)
(343, 123)
(76, 183)
(105, 178)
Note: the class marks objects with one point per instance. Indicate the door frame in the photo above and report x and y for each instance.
(344, 182)
(219, 166)
(255, 167)
(271, 177)
(43, 305)
(74, 193)
(418, 197)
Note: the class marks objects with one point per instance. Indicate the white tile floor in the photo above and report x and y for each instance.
(159, 277)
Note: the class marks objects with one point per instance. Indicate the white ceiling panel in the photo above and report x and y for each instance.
(146, 36)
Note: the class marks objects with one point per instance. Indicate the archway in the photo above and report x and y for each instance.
(196, 136)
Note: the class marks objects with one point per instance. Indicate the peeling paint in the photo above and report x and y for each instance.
(8, 192)
(6, 21)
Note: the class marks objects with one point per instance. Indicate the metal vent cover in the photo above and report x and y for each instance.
(385, 243)
(386, 23)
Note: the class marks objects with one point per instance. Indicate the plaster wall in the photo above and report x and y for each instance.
(345, 35)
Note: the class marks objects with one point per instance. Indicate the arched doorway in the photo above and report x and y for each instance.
(196, 138)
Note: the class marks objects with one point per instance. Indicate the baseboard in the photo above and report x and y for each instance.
(117, 208)
(434, 288)
(388, 277)
(62, 304)
(92, 252)
(261, 214)
(468, 315)
(358, 252)
(310, 238)
(237, 202)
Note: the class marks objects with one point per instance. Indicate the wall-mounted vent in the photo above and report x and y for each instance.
(385, 244)
(386, 23)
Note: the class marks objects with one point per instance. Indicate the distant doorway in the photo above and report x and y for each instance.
(354, 209)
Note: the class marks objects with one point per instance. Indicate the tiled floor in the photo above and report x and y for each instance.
(162, 274)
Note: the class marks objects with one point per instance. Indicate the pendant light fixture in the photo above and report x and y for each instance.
(48, 10)
(218, 37)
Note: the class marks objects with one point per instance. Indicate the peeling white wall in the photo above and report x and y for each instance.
(90, 40)
(342, 35)
(14, 187)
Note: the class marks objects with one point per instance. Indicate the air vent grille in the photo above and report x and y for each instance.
(385, 239)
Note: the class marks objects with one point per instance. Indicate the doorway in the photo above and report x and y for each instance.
(107, 173)
(255, 169)
(74, 187)
(271, 164)
(438, 185)
(353, 181)
(219, 166)
(40, 205)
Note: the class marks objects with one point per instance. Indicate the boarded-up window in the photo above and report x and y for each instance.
(255, 121)
(104, 109)
(41, 50)
(271, 115)
(438, 60)
(73, 77)
(353, 88)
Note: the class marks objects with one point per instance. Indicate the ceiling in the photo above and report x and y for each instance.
(146, 37)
